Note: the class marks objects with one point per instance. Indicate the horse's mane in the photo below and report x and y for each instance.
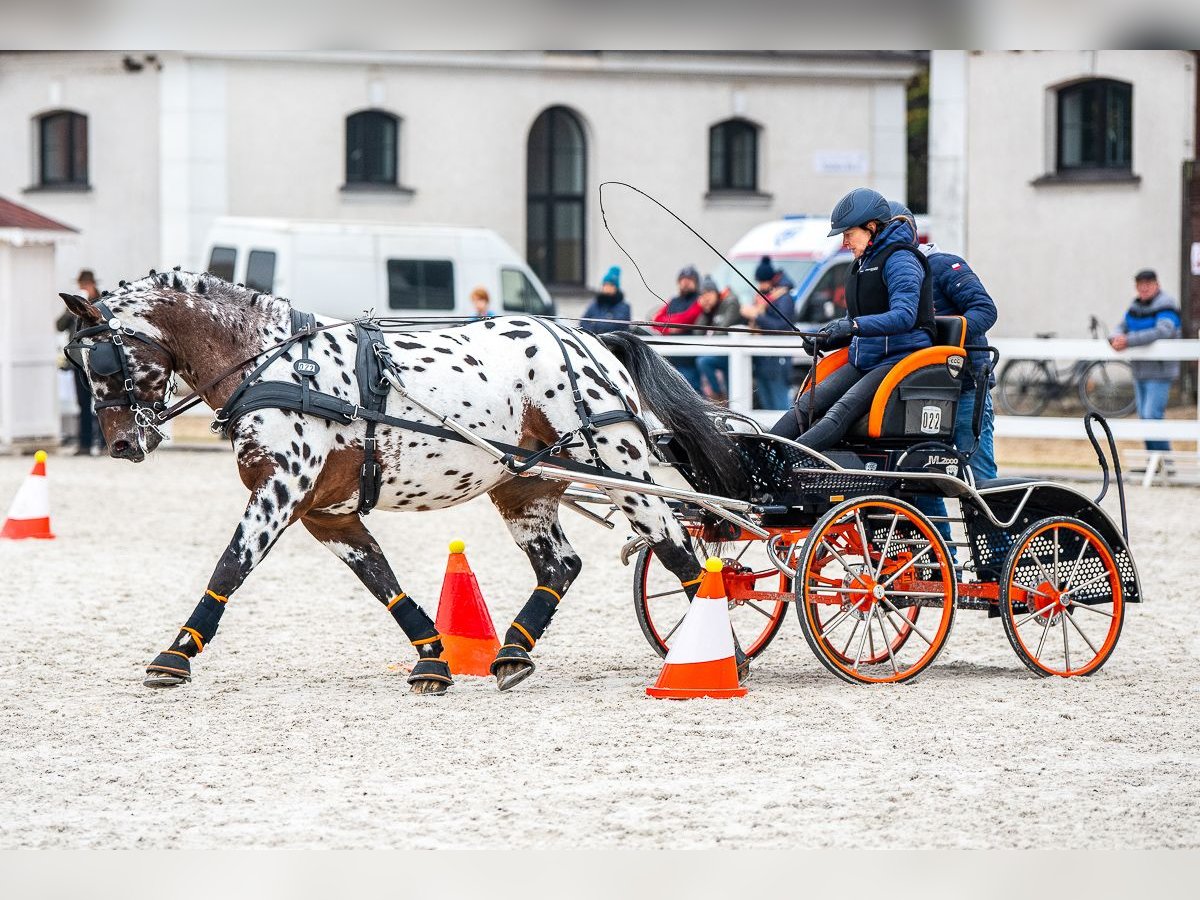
(195, 284)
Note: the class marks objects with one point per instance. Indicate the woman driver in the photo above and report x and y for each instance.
(888, 316)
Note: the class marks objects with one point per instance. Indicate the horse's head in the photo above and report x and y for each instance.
(130, 371)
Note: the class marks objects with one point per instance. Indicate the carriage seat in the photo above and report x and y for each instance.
(918, 398)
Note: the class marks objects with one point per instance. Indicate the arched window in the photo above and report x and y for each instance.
(733, 156)
(372, 139)
(62, 149)
(1095, 125)
(556, 171)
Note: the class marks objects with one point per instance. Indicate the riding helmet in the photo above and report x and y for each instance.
(860, 206)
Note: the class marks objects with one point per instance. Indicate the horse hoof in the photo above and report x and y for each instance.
(164, 679)
(428, 686)
(510, 674)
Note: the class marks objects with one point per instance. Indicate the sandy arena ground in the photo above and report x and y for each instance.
(299, 732)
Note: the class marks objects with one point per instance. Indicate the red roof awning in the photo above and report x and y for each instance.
(14, 215)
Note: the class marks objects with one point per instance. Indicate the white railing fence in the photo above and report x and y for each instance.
(741, 350)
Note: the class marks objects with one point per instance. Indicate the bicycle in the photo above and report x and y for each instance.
(1025, 387)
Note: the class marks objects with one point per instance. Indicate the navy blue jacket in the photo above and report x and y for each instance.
(886, 338)
(957, 291)
(611, 307)
(1145, 323)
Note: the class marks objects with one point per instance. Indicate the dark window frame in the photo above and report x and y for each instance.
(553, 197)
(359, 175)
(75, 174)
(421, 263)
(1105, 88)
(250, 260)
(722, 177)
(221, 248)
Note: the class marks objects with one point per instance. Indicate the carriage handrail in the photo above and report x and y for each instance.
(1116, 459)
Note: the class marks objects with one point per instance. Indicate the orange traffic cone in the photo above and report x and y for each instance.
(468, 635)
(29, 515)
(701, 661)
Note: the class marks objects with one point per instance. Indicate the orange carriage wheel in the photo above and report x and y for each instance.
(1060, 598)
(758, 593)
(876, 591)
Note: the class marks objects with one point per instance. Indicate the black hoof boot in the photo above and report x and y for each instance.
(511, 666)
(430, 676)
(170, 668)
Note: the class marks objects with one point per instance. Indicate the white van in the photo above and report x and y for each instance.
(816, 264)
(342, 269)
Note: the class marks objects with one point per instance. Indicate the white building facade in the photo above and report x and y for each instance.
(142, 152)
(1060, 174)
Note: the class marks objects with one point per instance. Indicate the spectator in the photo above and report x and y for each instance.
(482, 303)
(683, 310)
(720, 309)
(609, 306)
(1151, 316)
(957, 291)
(89, 426)
(772, 374)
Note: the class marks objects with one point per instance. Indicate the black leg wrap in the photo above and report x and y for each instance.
(511, 653)
(410, 617)
(171, 662)
(430, 670)
(205, 619)
(533, 620)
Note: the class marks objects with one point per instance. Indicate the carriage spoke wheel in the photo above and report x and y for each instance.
(661, 603)
(1061, 599)
(876, 591)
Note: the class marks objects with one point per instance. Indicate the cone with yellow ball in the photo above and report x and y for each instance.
(701, 660)
(29, 515)
(468, 636)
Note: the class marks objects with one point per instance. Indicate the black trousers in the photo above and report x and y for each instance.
(89, 427)
(839, 400)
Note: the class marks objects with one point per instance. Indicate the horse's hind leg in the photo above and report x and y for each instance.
(530, 509)
(267, 514)
(347, 537)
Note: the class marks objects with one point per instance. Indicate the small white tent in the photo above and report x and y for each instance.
(28, 341)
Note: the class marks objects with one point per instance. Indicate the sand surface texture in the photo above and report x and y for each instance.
(298, 730)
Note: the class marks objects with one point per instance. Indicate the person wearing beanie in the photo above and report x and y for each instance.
(772, 374)
(89, 432)
(609, 311)
(720, 310)
(683, 310)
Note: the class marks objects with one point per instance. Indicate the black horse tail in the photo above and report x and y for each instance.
(711, 452)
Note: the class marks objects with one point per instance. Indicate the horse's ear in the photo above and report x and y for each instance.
(82, 307)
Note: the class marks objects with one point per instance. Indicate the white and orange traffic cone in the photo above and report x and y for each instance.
(469, 642)
(701, 660)
(29, 515)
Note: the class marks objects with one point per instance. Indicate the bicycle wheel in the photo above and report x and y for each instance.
(1106, 387)
(1024, 387)
(660, 603)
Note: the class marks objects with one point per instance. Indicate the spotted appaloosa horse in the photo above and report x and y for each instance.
(504, 378)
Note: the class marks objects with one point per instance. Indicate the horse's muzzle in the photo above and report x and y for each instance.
(123, 449)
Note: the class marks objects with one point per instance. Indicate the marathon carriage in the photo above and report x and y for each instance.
(875, 585)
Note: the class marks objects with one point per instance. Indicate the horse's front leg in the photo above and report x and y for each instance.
(530, 509)
(348, 538)
(268, 513)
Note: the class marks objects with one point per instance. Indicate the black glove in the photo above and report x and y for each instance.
(837, 333)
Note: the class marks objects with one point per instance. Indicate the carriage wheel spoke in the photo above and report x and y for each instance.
(1056, 582)
(676, 628)
(904, 568)
(1075, 625)
(862, 536)
(1047, 611)
(679, 590)
(1075, 568)
(911, 623)
(1066, 645)
(1031, 590)
(853, 632)
(1088, 583)
(834, 622)
(1042, 640)
(849, 571)
(871, 633)
(861, 641)
(886, 643)
(1091, 609)
(886, 546)
(742, 552)
(758, 609)
(1041, 568)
